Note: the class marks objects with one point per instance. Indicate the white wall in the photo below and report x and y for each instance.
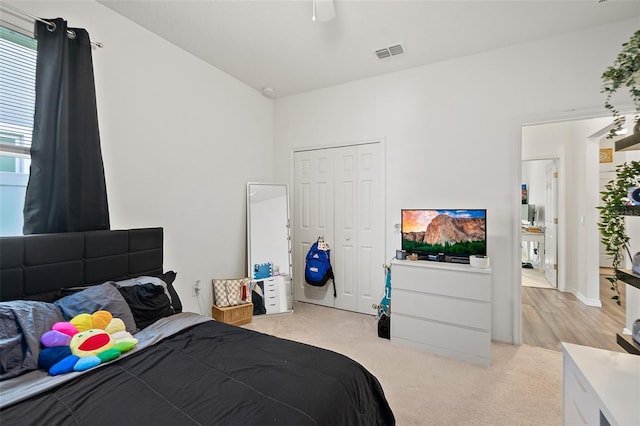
(180, 139)
(453, 133)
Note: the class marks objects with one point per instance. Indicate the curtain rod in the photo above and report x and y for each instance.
(50, 25)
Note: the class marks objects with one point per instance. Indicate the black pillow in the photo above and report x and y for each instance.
(165, 280)
(169, 277)
(148, 303)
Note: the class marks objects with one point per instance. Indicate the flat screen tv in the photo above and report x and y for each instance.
(457, 234)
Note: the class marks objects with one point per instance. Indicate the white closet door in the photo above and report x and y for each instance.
(370, 226)
(359, 221)
(339, 193)
(345, 247)
(313, 216)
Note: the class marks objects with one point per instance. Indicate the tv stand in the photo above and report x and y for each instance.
(442, 307)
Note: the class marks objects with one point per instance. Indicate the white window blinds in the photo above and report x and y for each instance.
(17, 92)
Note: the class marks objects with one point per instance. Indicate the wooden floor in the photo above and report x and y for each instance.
(550, 316)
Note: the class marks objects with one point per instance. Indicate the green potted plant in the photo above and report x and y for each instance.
(612, 224)
(624, 73)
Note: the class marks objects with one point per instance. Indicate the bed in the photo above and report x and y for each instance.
(184, 369)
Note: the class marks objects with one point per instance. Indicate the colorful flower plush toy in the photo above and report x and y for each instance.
(84, 342)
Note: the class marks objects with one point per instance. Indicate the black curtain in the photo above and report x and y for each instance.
(66, 190)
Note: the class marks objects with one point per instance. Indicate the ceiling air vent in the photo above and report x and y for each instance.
(390, 51)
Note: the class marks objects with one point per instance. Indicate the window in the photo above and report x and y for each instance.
(17, 99)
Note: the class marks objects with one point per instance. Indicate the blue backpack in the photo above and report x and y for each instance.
(318, 269)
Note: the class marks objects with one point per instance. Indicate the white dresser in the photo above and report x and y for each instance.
(442, 307)
(600, 387)
(277, 294)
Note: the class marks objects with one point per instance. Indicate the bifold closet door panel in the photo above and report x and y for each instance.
(371, 208)
(359, 222)
(313, 200)
(345, 245)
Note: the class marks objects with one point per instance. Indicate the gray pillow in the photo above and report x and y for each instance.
(22, 323)
(96, 298)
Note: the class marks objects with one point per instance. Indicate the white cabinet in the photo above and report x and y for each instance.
(600, 387)
(277, 294)
(442, 307)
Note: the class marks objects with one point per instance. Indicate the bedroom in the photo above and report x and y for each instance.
(178, 149)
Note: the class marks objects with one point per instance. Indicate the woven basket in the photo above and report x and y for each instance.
(234, 315)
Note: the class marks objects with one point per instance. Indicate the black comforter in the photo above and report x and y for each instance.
(215, 374)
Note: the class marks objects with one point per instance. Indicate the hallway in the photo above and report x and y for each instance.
(550, 317)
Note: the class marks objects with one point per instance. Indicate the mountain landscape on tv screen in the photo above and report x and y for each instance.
(448, 234)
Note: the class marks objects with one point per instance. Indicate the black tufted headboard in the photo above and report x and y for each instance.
(38, 266)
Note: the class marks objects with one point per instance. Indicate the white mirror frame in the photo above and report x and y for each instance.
(268, 229)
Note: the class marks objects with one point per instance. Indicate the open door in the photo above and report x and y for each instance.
(551, 224)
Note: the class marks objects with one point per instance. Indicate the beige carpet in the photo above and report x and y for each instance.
(523, 385)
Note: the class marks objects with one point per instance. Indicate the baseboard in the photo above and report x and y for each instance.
(508, 339)
(587, 301)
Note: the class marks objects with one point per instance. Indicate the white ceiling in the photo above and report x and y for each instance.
(275, 44)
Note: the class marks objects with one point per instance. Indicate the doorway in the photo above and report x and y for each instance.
(539, 223)
(576, 143)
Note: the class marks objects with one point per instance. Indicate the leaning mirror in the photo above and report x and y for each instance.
(268, 247)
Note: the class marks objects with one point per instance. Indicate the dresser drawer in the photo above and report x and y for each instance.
(437, 336)
(581, 406)
(463, 281)
(271, 292)
(271, 284)
(272, 304)
(448, 310)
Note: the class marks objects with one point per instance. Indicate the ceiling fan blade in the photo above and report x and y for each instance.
(323, 10)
